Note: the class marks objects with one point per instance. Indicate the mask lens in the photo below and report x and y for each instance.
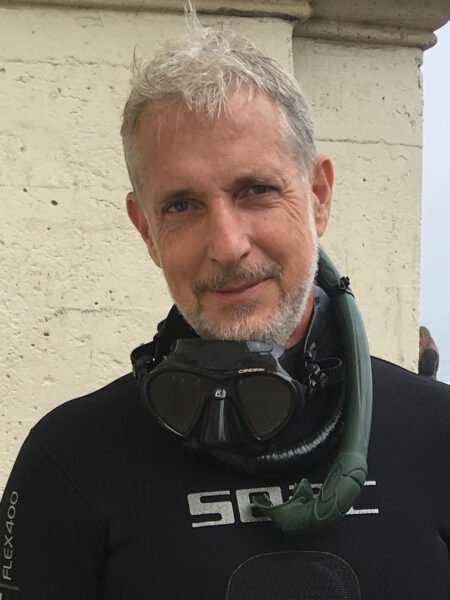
(176, 399)
(267, 403)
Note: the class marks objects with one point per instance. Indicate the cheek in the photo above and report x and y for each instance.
(290, 237)
(177, 246)
(297, 243)
(303, 227)
(179, 264)
(179, 284)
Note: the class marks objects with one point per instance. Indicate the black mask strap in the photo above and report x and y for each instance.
(146, 356)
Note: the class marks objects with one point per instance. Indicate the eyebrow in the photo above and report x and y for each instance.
(256, 179)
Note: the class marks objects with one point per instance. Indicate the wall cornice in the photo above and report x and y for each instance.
(359, 33)
(293, 10)
(423, 15)
(392, 22)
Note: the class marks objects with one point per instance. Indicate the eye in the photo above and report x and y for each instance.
(178, 207)
(258, 190)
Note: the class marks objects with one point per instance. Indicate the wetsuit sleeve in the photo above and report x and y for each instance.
(52, 540)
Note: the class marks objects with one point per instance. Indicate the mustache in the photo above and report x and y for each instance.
(251, 275)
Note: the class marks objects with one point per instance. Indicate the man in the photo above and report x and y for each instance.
(104, 501)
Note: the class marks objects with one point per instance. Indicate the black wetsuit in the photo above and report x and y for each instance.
(429, 363)
(103, 503)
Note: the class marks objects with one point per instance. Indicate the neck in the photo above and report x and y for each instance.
(301, 329)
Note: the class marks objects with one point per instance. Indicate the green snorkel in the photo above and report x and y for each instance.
(304, 512)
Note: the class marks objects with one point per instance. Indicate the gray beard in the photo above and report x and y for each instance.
(276, 329)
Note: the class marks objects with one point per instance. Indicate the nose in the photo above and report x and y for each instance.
(228, 236)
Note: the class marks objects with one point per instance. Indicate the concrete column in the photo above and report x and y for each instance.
(359, 64)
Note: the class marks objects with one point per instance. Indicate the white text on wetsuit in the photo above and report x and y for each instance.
(219, 507)
(8, 550)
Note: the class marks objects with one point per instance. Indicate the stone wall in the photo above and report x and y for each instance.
(367, 107)
(78, 291)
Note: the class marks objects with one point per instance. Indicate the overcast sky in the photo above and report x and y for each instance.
(435, 285)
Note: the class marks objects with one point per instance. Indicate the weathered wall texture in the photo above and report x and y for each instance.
(77, 290)
(367, 107)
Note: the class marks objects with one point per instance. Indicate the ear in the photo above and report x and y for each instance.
(322, 185)
(139, 220)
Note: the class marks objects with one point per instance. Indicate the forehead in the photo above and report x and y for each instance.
(182, 149)
(242, 108)
(176, 129)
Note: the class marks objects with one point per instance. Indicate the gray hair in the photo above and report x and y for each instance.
(203, 70)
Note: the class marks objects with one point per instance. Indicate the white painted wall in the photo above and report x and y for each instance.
(77, 290)
(367, 108)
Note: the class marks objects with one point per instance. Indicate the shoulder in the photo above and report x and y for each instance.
(386, 374)
(110, 413)
(403, 396)
(105, 400)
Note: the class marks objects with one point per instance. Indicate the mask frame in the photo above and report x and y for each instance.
(190, 361)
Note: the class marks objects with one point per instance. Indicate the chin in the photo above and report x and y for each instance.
(274, 327)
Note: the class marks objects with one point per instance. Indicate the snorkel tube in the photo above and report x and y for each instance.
(304, 512)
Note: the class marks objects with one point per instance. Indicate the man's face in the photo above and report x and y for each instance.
(230, 220)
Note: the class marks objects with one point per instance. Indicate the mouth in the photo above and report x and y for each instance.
(240, 292)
